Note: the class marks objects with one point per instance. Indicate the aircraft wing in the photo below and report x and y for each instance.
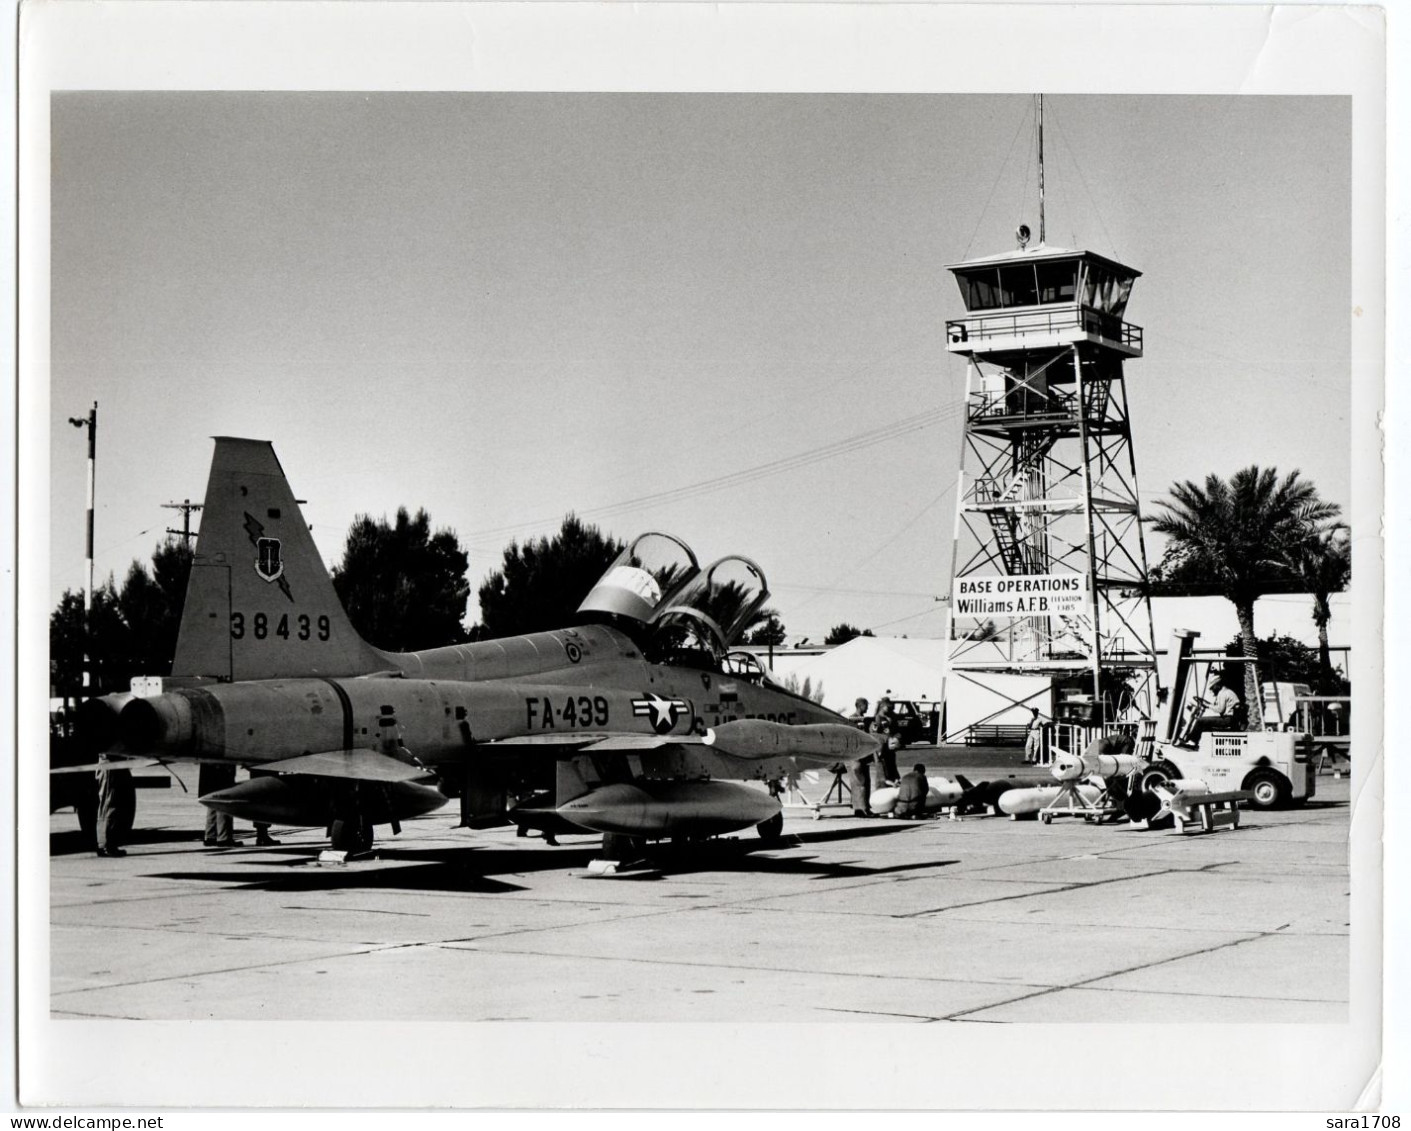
(584, 742)
(629, 743)
(114, 762)
(742, 739)
(357, 765)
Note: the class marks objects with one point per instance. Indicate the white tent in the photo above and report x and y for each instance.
(869, 667)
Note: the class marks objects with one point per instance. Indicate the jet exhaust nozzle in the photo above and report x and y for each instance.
(161, 724)
(97, 722)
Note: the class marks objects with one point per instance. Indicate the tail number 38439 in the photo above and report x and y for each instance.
(262, 626)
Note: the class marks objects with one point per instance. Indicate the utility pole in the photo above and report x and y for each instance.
(91, 423)
(185, 507)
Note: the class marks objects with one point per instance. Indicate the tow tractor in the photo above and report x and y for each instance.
(1276, 766)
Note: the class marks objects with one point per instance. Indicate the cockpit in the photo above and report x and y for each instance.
(678, 612)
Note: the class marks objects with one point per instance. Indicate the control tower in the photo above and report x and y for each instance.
(1049, 559)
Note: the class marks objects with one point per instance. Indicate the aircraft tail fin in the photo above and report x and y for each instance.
(260, 603)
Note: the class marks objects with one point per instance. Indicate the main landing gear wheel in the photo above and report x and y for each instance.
(352, 834)
(1269, 789)
(771, 829)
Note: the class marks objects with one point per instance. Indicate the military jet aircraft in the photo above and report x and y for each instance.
(624, 724)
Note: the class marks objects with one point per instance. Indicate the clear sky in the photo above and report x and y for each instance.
(503, 307)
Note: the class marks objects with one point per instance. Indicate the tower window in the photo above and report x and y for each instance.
(1058, 282)
(1018, 286)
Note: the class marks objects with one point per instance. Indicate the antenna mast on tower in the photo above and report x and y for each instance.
(1041, 170)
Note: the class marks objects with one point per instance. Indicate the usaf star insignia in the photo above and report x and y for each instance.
(662, 712)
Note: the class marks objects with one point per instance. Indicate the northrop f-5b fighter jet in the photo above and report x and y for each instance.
(624, 724)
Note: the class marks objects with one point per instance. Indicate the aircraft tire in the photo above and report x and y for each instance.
(771, 829)
(1270, 790)
(351, 835)
(619, 846)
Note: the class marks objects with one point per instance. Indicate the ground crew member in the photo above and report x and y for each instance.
(220, 827)
(860, 772)
(1034, 739)
(117, 807)
(884, 726)
(911, 794)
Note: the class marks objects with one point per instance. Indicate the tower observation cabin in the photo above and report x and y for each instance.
(1049, 568)
(1046, 297)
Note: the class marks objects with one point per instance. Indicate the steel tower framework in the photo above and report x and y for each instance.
(1048, 494)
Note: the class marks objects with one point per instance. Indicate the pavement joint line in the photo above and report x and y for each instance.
(909, 975)
(374, 947)
(1063, 890)
(879, 1013)
(1222, 996)
(1086, 982)
(1280, 931)
(530, 930)
(189, 974)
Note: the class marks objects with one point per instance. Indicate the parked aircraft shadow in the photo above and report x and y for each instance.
(823, 836)
(72, 842)
(452, 871)
(480, 869)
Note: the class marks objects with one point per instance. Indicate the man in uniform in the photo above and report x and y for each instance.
(911, 794)
(884, 726)
(117, 806)
(859, 772)
(1034, 739)
(220, 827)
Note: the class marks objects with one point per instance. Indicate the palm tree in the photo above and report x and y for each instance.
(1323, 563)
(1239, 538)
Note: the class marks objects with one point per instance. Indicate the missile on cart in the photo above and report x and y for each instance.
(1071, 767)
(1157, 803)
(1027, 802)
(943, 793)
(986, 795)
(759, 738)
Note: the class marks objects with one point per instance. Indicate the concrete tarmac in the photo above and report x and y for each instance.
(982, 919)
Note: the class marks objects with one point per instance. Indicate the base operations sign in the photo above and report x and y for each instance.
(1030, 595)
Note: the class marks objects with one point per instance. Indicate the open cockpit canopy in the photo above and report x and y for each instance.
(681, 612)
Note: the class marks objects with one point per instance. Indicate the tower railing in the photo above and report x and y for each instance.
(978, 327)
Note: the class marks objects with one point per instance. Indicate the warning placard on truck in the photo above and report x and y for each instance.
(1034, 595)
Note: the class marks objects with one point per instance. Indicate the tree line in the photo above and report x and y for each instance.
(404, 583)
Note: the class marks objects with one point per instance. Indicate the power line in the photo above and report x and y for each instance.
(856, 442)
